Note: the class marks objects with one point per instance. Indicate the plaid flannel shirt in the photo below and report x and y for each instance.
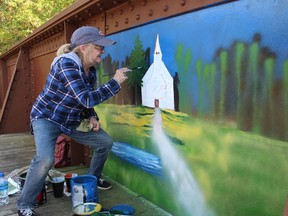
(68, 93)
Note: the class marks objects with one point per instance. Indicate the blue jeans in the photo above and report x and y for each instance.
(45, 136)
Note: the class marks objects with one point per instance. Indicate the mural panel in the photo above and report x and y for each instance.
(222, 148)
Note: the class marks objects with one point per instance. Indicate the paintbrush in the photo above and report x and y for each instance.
(135, 68)
(51, 179)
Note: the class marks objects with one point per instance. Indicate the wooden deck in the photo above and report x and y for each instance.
(17, 150)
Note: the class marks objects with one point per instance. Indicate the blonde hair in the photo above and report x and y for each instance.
(65, 48)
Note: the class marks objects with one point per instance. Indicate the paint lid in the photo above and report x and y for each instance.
(122, 209)
(87, 208)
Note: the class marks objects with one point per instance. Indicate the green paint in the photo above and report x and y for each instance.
(137, 59)
(269, 66)
(200, 86)
(253, 65)
(223, 79)
(240, 49)
(183, 61)
(204, 92)
(179, 55)
(211, 87)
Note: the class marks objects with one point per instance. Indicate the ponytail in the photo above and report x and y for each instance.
(65, 48)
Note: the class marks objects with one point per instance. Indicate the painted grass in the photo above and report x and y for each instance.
(239, 173)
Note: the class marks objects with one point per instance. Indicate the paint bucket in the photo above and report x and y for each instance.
(84, 190)
(41, 198)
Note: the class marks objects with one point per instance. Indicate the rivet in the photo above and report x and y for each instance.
(138, 17)
(121, 12)
(107, 27)
(116, 24)
(111, 15)
(183, 2)
(144, 2)
(126, 20)
(131, 7)
(150, 13)
(166, 8)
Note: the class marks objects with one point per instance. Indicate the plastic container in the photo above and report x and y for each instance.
(87, 208)
(4, 198)
(84, 190)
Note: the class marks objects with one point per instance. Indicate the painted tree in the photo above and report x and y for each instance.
(253, 64)
(269, 66)
(137, 59)
(239, 53)
(211, 79)
(20, 17)
(183, 61)
(223, 82)
(200, 82)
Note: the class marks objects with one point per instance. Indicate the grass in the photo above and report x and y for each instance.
(238, 172)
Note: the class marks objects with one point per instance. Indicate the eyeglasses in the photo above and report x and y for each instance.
(100, 48)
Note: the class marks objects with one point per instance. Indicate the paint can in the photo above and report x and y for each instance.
(84, 190)
(41, 198)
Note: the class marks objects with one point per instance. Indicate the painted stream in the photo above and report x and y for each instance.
(185, 187)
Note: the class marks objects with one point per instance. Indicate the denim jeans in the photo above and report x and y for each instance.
(45, 136)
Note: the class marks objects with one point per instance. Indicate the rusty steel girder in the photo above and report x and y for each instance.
(139, 12)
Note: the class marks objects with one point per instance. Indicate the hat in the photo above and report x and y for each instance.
(89, 34)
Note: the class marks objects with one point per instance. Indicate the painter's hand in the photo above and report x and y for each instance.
(120, 75)
(94, 124)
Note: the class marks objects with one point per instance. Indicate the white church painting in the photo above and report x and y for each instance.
(158, 83)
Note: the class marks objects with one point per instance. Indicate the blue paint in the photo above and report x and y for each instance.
(138, 157)
(205, 31)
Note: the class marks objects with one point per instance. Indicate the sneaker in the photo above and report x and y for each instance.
(26, 212)
(103, 184)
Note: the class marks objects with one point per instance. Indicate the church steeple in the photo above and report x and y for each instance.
(157, 50)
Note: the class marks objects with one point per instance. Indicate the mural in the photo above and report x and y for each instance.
(222, 148)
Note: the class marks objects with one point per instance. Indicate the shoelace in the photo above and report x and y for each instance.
(101, 181)
(27, 212)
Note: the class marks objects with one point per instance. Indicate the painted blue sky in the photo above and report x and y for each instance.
(206, 30)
